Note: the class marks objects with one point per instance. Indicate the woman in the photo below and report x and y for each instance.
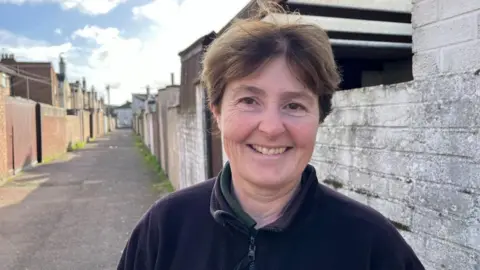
(269, 86)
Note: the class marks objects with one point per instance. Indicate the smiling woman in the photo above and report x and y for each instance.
(269, 86)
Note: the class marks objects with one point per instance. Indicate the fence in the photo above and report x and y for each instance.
(21, 134)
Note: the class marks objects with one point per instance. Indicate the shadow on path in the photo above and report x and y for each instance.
(77, 212)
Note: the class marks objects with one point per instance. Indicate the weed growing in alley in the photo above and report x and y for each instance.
(76, 146)
(161, 182)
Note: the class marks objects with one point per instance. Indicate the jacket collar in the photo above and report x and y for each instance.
(225, 209)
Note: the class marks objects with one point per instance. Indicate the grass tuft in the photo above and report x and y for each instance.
(161, 182)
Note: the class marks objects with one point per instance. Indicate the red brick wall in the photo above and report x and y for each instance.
(73, 129)
(54, 140)
(4, 92)
(21, 133)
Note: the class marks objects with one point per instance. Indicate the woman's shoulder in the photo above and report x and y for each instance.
(161, 225)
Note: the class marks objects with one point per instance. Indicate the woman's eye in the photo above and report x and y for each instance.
(295, 106)
(247, 100)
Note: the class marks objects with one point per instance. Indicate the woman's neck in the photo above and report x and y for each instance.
(264, 206)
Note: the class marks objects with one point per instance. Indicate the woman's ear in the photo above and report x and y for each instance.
(216, 114)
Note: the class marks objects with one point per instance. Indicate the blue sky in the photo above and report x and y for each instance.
(129, 43)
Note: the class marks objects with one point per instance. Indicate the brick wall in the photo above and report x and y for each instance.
(54, 142)
(4, 92)
(74, 131)
(412, 151)
(85, 124)
(192, 161)
(446, 36)
(21, 133)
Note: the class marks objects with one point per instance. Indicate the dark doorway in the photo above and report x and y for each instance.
(38, 124)
(213, 145)
(91, 125)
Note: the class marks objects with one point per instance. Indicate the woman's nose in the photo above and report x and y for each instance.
(271, 123)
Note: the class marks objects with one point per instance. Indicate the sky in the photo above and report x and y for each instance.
(128, 44)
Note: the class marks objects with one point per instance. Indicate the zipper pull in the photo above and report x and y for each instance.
(251, 253)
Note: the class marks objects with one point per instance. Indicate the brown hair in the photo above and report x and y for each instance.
(248, 44)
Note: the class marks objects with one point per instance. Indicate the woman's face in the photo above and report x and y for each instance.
(268, 122)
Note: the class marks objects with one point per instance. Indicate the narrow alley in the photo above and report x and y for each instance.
(76, 212)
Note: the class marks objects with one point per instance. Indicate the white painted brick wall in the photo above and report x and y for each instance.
(192, 159)
(201, 138)
(446, 36)
(412, 151)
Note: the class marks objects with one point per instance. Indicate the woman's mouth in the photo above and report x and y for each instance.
(270, 151)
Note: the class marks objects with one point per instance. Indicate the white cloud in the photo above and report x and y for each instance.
(147, 58)
(27, 49)
(93, 7)
(58, 31)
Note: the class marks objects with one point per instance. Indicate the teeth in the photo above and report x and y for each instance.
(269, 151)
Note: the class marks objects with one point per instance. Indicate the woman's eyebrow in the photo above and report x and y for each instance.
(295, 94)
(298, 95)
(249, 88)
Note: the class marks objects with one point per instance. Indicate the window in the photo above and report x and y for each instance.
(3, 80)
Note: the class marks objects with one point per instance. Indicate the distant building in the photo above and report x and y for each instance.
(124, 115)
(42, 85)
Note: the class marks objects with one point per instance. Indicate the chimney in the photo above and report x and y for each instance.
(148, 91)
(84, 85)
(8, 58)
(62, 67)
(172, 78)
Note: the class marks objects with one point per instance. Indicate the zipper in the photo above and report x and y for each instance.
(251, 253)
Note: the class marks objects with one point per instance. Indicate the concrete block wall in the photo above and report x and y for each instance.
(446, 36)
(174, 164)
(412, 151)
(192, 161)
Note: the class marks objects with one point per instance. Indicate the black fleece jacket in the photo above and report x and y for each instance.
(203, 228)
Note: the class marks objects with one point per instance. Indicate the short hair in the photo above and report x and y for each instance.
(248, 44)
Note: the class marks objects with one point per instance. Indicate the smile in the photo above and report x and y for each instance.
(269, 150)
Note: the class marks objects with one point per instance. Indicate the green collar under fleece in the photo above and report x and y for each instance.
(227, 192)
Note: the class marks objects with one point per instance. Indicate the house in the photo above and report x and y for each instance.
(76, 96)
(138, 104)
(124, 115)
(200, 151)
(150, 126)
(4, 83)
(34, 80)
(165, 97)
